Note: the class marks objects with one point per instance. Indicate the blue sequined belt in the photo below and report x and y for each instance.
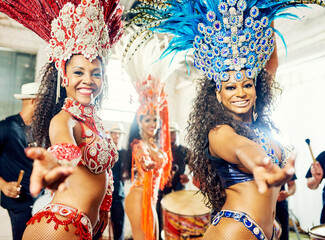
(248, 222)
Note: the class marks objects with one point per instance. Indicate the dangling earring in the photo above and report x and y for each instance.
(221, 105)
(255, 115)
(65, 82)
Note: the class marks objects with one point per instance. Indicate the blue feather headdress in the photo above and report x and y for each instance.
(226, 35)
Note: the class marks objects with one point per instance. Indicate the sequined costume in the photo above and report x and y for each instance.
(99, 154)
(230, 175)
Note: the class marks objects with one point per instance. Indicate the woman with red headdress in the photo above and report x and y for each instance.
(80, 35)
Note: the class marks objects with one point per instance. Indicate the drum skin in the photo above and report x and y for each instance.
(185, 216)
(317, 232)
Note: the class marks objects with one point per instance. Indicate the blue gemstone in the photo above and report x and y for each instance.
(247, 222)
(247, 36)
(235, 61)
(208, 62)
(263, 42)
(232, 2)
(201, 54)
(234, 39)
(239, 76)
(264, 147)
(259, 34)
(227, 214)
(220, 39)
(259, 48)
(272, 151)
(218, 86)
(196, 45)
(219, 64)
(216, 51)
(233, 20)
(217, 26)
(249, 22)
(266, 48)
(257, 25)
(209, 54)
(209, 75)
(209, 31)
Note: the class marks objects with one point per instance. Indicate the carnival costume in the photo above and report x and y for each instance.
(89, 28)
(149, 76)
(226, 37)
(97, 152)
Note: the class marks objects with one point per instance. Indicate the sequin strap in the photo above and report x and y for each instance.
(107, 201)
(248, 222)
(67, 154)
(79, 220)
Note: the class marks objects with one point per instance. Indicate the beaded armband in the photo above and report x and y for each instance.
(67, 155)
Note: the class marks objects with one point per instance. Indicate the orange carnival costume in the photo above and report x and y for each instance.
(72, 27)
(149, 76)
(152, 99)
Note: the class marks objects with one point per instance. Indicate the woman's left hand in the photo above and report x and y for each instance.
(103, 221)
(268, 175)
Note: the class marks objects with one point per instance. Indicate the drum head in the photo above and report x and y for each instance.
(185, 202)
(317, 232)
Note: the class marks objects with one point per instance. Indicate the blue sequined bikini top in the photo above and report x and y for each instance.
(230, 174)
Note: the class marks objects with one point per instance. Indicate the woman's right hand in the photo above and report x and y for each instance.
(47, 173)
(268, 175)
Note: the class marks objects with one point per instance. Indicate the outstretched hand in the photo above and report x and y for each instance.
(268, 175)
(47, 173)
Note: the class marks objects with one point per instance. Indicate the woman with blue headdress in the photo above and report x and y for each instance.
(239, 166)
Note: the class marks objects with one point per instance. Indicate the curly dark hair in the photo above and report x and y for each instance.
(206, 114)
(46, 105)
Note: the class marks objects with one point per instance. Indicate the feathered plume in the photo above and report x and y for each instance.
(180, 18)
(37, 15)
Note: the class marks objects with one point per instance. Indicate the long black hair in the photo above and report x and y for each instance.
(206, 114)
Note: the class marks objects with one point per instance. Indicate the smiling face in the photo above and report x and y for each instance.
(149, 125)
(85, 79)
(238, 97)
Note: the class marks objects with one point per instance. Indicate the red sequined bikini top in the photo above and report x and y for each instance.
(98, 151)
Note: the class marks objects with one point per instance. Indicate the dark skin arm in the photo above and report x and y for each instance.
(228, 145)
(47, 173)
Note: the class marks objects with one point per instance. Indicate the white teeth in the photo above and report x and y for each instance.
(83, 90)
(240, 103)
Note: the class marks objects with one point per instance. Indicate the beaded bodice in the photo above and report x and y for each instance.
(98, 151)
(230, 174)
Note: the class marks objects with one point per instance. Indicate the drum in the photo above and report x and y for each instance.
(317, 232)
(185, 216)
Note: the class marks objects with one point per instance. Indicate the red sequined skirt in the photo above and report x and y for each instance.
(78, 220)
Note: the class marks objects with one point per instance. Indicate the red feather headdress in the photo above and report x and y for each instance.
(87, 27)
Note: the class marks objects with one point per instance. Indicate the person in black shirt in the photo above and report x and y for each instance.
(15, 136)
(282, 214)
(178, 178)
(314, 178)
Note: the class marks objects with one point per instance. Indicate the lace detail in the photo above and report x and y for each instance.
(98, 152)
